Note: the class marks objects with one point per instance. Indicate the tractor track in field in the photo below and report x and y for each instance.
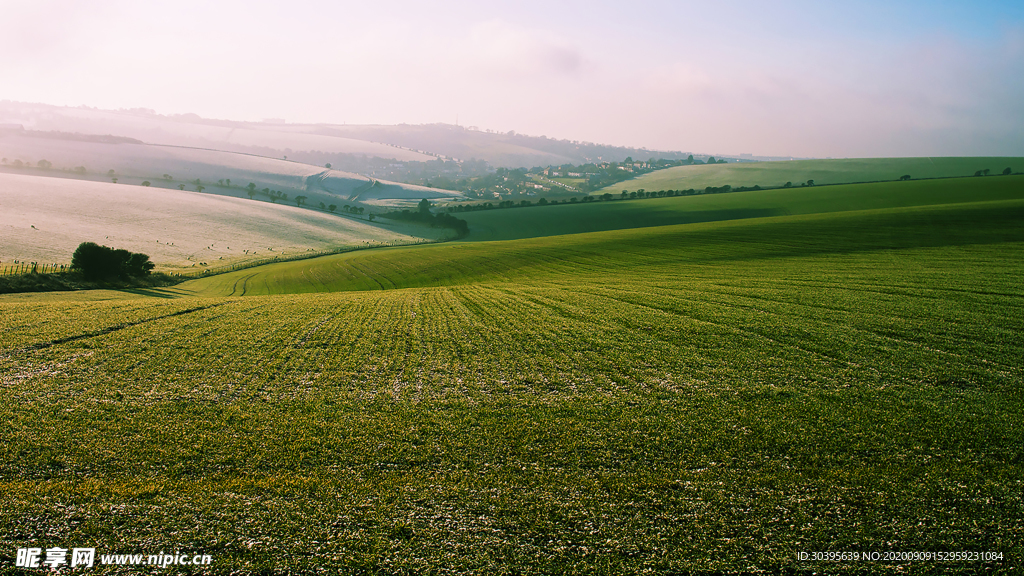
(101, 332)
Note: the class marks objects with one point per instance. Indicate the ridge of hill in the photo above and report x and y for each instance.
(403, 142)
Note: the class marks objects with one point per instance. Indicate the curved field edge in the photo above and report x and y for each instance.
(643, 250)
(45, 219)
(827, 171)
(507, 224)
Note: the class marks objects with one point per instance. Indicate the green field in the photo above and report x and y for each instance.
(841, 171)
(618, 214)
(833, 371)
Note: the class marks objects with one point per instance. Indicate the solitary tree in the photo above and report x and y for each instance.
(300, 200)
(328, 165)
(810, 182)
(787, 185)
(424, 206)
(168, 177)
(252, 189)
(905, 177)
(146, 183)
(986, 171)
(372, 217)
(114, 180)
(227, 181)
(332, 207)
(200, 187)
(44, 164)
(181, 186)
(1007, 172)
(322, 206)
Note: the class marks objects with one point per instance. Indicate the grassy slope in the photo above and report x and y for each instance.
(821, 171)
(575, 218)
(715, 396)
(643, 251)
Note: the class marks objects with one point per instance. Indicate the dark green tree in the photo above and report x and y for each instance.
(1007, 172)
(97, 262)
(424, 206)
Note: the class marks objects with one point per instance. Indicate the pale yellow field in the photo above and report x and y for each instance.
(44, 219)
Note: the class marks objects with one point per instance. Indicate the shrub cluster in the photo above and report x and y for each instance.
(97, 262)
(423, 215)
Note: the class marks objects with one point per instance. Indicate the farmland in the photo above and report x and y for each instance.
(838, 374)
(218, 172)
(44, 219)
(839, 171)
(616, 214)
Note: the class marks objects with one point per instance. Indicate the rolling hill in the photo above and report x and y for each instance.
(403, 143)
(841, 171)
(668, 231)
(75, 156)
(44, 219)
(506, 224)
(192, 131)
(713, 396)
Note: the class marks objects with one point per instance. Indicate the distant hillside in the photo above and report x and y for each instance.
(191, 130)
(508, 150)
(217, 172)
(797, 172)
(328, 143)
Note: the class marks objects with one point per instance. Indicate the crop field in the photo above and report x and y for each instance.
(839, 171)
(615, 215)
(172, 166)
(710, 396)
(44, 219)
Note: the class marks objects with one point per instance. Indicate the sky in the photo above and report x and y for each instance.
(786, 78)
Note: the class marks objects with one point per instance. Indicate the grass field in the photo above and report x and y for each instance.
(841, 171)
(592, 217)
(708, 396)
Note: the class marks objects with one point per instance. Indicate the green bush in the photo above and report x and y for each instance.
(97, 262)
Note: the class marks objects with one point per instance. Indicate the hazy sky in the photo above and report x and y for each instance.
(886, 78)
